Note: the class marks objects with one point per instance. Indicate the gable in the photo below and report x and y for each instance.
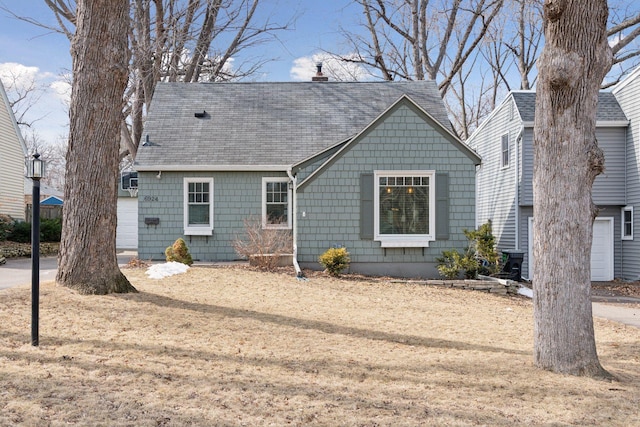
(403, 128)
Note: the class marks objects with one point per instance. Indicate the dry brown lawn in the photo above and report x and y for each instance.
(236, 347)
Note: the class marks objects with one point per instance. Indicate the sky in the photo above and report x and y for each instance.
(43, 56)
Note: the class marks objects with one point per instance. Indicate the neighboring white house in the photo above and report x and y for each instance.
(12, 156)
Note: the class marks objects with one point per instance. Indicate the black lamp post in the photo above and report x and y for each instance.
(35, 171)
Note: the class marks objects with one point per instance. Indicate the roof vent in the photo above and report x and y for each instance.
(319, 77)
(200, 115)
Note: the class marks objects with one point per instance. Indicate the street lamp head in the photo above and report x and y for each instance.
(35, 167)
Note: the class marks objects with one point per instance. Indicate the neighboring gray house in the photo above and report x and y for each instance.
(627, 93)
(373, 167)
(504, 181)
(13, 152)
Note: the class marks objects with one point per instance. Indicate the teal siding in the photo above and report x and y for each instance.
(329, 204)
(237, 196)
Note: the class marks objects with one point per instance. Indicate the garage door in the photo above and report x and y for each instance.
(601, 250)
(127, 230)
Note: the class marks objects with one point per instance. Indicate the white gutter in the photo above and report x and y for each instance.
(294, 181)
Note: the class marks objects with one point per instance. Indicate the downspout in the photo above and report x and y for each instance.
(517, 176)
(294, 184)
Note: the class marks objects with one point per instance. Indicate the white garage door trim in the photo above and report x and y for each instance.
(127, 229)
(601, 250)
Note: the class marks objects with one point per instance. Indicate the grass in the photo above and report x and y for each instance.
(233, 347)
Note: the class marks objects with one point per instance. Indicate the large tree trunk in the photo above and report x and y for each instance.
(87, 260)
(567, 160)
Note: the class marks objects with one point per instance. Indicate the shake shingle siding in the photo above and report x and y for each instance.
(329, 205)
(236, 196)
(628, 95)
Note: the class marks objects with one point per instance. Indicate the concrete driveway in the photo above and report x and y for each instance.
(17, 271)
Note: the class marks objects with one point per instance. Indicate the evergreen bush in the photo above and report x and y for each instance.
(179, 252)
(335, 260)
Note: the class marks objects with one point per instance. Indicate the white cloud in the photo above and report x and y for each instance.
(304, 68)
(46, 106)
(62, 89)
(18, 76)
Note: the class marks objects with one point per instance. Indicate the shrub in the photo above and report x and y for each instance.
(6, 226)
(21, 232)
(51, 230)
(482, 244)
(451, 263)
(179, 252)
(263, 246)
(480, 257)
(335, 260)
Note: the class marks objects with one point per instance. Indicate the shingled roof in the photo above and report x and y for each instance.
(608, 108)
(265, 125)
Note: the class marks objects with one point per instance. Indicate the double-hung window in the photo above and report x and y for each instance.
(198, 206)
(404, 208)
(627, 223)
(276, 207)
(505, 151)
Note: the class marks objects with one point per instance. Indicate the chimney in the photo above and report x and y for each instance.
(319, 77)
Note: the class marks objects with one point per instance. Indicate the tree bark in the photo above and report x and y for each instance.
(87, 259)
(567, 159)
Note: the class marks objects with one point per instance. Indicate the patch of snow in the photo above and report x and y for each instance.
(523, 290)
(160, 271)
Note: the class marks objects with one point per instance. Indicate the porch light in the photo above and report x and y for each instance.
(35, 167)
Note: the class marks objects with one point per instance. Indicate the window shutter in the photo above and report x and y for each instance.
(366, 206)
(442, 206)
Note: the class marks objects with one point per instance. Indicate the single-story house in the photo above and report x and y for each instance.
(374, 167)
(505, 190)
(13, 152)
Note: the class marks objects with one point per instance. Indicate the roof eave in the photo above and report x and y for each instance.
(599, 123)
(211, 168)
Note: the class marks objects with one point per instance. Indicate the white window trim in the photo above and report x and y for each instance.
(624, 236)
(265, 180)
(504, 165)
(404, 240)
(197, 230)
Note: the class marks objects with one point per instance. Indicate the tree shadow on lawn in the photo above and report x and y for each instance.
(326, 327)
(223, 390)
